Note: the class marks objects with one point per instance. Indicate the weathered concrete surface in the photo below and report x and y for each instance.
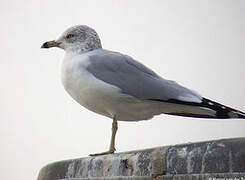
(203, 160)
(218, 176)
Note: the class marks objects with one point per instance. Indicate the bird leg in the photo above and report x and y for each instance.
(113, 136)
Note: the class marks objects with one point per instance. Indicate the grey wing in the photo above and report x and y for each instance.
(135, 79)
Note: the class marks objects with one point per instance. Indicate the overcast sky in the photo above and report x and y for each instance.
(199, 44)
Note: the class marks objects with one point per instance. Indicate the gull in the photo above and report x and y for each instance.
(117, 86)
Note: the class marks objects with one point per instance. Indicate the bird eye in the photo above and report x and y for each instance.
(68, 36)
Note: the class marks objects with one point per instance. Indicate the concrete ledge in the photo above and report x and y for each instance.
(218, 176)
(213, 160)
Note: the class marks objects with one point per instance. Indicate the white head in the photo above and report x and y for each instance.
(77, 38)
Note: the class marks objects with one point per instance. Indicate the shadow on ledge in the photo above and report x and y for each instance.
(212, 160)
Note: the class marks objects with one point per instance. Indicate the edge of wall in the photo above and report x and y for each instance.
(224, 158)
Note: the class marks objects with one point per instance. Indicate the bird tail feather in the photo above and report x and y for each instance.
(222, 112)
(206, 109)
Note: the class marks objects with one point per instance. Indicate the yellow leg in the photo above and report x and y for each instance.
(112, 148)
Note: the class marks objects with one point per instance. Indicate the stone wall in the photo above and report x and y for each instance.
(212, 160)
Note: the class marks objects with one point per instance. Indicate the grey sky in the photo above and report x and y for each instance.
(199, 44)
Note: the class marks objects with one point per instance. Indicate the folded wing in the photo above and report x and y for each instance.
(135, 79)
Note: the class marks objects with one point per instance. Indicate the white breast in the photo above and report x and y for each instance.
(87, 90)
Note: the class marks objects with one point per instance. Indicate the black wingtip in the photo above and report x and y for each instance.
(223, 112)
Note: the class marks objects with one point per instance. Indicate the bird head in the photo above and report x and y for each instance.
(76, 38)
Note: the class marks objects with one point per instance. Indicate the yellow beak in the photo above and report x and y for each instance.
(50, 44)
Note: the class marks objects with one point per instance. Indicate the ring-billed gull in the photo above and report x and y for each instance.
(117, 86)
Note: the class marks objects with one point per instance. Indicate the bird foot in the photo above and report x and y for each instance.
(103, 153)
